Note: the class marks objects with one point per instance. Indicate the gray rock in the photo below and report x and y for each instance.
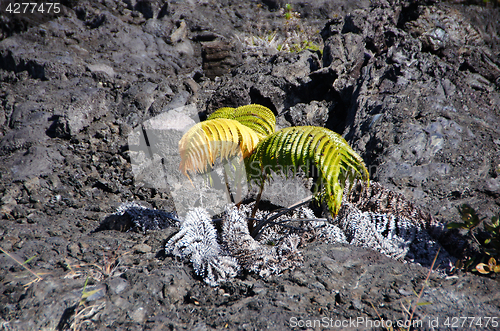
(37, 161)
(314, 113)
(142, 248)
(117, 284)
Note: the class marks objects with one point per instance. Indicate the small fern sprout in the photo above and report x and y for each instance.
(249, 130)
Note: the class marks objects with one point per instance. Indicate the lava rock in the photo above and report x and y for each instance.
(413, 87)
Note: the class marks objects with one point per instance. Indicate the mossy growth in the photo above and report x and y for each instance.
(292, 36)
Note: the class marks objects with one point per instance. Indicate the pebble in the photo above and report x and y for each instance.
(142, 248)
(138, 315)
(117, 285)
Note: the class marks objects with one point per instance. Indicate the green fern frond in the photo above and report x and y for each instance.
(306, 146)
(208, 140)
(249, 130)
(224, 112)
(259, 118)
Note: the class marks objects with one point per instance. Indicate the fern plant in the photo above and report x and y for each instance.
(250, 130)
(308, 148)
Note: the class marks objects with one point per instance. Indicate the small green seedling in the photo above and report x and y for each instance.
(490, 247)
(469, 217)
(493, 242)
(288, 11)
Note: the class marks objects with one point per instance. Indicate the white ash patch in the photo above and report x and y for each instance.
(197, 241)
(385, 233)
(378, 219)
(254, 256)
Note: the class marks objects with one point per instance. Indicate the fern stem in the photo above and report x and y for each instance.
(257, 200)
(239, 193)
(262, 223)
(228, 189)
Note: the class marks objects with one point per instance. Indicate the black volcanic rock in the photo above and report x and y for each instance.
(413, 86)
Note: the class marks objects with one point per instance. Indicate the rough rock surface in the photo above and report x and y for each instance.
(413, 86)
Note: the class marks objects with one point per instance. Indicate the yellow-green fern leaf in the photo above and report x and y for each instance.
(216, 138)
(306, 146)
(259, 118)
(224, 112)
